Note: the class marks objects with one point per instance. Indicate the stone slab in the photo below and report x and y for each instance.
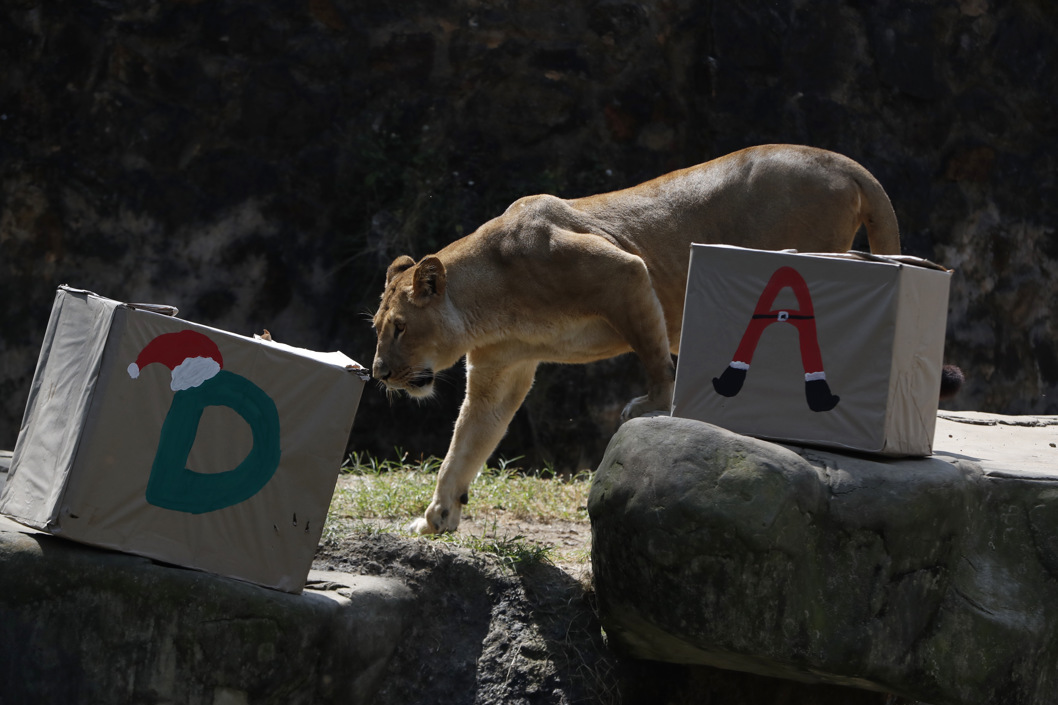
(80, 624)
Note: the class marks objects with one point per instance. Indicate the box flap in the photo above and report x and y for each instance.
(59, 399)
(870, 257)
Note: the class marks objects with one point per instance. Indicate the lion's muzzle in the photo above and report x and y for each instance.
(415, 383)
(419, 384)
(421, 380)
(380, 370)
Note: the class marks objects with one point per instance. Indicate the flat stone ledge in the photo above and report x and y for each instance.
(79, 624)
(1022, 446)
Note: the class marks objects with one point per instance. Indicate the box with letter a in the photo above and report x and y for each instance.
(836, 350)
(151, 435)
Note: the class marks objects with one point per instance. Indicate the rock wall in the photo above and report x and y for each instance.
(259, 165)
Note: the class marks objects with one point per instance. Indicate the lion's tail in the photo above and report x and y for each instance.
(878, 216)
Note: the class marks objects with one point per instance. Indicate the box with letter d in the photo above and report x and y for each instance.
(159, 437)
(836, 350)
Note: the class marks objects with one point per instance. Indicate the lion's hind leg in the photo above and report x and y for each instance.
(624, 296)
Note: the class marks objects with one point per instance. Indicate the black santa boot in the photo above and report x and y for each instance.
(817, 392)
(730, 381)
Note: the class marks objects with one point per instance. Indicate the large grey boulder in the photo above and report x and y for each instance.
(932, 578)
(80, 625)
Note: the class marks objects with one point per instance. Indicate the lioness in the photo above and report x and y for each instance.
(555, 280)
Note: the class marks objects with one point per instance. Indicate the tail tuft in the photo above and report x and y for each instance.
(951, 379)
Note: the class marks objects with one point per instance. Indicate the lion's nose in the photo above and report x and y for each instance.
(379, 370)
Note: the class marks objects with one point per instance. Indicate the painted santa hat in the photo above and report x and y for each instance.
(191, 356)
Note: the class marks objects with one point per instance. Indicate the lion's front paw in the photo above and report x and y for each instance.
(420, 526)
(438, 518)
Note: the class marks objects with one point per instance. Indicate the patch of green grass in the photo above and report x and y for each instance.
(384, 489)
(384, 495)
(538, 495)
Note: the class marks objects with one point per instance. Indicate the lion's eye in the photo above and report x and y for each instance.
(398, 329)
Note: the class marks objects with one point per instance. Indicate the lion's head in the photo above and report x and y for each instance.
(414, 340)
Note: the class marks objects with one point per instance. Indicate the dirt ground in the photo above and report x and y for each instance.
(487, 633)
(570, 542)
(483, 632)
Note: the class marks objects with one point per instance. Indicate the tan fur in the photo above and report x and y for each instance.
(554, 280)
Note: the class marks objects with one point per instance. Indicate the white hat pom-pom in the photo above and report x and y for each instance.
(134, 371)
(192, 372)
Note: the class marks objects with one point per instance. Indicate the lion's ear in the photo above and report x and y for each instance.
(429, 280)
(399, 265)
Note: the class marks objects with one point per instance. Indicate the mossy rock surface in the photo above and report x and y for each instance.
(83, 625)
(925, 577)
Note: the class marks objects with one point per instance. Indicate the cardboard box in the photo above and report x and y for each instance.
(190, 445)
(842, 351)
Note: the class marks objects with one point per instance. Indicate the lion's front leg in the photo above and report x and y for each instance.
(494, 393)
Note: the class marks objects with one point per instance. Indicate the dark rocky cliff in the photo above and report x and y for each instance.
(259, 164)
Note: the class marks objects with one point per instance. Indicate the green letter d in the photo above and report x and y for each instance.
(174, 486)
